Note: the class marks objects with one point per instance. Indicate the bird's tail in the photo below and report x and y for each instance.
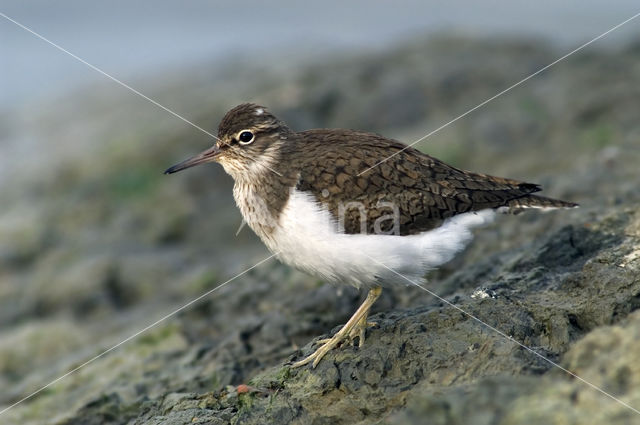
(535, 201)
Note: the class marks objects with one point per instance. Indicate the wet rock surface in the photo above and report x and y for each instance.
(92, 252)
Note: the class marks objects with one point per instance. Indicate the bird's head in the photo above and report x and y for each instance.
(249, 139)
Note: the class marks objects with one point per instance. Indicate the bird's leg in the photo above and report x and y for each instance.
(360, 328)
(354, 327)
(357, 331)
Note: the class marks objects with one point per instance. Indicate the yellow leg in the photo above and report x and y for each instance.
(361, 327)
(357, 331)
(354, 327)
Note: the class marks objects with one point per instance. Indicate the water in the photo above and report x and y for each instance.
(129, 39)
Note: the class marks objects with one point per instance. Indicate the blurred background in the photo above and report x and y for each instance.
(96, 244)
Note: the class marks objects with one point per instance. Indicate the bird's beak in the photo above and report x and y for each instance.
(203, 157)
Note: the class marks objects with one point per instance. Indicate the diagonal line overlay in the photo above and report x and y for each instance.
(366, 170)
(577, 49)
(498, 331)
(162, 319)
(109, 76)
(114, 79)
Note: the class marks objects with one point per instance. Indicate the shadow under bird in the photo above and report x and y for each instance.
(354, 207)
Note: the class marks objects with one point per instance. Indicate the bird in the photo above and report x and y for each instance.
(353, 207)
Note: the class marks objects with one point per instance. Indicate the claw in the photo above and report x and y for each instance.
(355, 327)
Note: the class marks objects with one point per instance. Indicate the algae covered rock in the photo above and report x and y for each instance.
(91, 255)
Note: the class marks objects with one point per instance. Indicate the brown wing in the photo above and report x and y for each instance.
(418, 190)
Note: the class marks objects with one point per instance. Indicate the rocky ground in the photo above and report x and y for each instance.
(96, 244)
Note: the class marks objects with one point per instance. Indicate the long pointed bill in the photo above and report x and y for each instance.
(203, 157)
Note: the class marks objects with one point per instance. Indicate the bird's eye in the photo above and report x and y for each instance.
(245, 137)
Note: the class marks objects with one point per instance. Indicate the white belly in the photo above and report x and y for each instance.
(306, 238)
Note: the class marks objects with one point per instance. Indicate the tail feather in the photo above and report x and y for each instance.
(535, 201)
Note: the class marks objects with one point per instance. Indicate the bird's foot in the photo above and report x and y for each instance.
(328, 344)
(358, 331)
(355, 327)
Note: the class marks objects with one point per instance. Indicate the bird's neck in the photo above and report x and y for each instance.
(262, 199)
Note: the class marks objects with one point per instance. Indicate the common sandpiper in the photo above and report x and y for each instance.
(353, 207)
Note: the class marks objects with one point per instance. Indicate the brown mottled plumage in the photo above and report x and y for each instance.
(327, 164)
(425, 189)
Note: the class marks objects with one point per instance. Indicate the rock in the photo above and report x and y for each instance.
(605, 358)
(439, 363)
(93, 252)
